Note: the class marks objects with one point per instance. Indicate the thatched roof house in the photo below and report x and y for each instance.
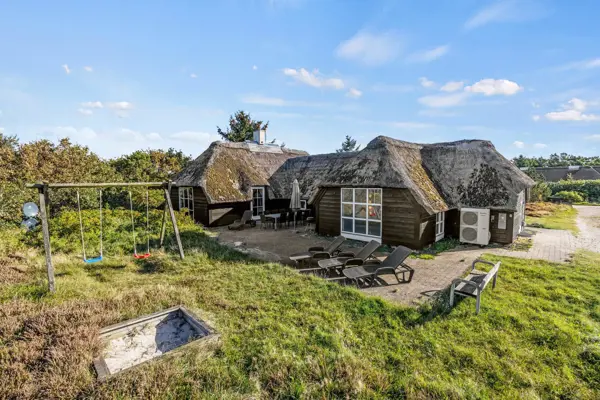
(391, 190)
(578, 173)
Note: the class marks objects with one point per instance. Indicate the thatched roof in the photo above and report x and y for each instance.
(471, 173)
(228, 170)
(467, 173)
(555, 174)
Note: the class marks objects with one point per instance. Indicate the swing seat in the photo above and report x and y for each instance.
(93, 260)
(141, 256)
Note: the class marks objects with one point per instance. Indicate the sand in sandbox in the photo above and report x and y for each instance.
(144, 342)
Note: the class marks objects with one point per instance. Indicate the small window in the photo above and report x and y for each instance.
(186, 199)
(440, 225)
(303, 204)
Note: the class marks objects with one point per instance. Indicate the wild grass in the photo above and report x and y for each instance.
(436, 248)
(520, 244)
(286, 335)
(552, 216)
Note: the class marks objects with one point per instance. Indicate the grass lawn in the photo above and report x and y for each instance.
(552, 216)
(285, 335)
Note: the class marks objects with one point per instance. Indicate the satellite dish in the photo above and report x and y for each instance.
(30, 210)
(29, 223)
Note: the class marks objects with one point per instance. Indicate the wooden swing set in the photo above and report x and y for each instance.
(43, 190)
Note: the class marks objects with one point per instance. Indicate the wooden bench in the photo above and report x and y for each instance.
(474, 284)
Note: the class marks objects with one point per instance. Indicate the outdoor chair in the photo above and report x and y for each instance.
(265, 221)
(366, 274)
(349, 259)
(240, 223)
(318, 252)
(283, 218)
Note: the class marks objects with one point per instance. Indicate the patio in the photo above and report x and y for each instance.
(430, 276)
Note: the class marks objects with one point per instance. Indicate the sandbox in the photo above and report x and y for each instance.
(142, 339)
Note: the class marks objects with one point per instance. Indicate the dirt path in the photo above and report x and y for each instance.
(588, 221)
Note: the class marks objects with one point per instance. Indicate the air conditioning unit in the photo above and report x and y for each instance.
(475, 226)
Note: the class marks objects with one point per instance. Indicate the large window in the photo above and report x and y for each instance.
(186, 199)
(440, 225)
(258, 201)
(361, 213)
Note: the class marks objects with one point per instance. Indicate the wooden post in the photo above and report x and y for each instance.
(43, 191)
(173, 220)
(163, 226)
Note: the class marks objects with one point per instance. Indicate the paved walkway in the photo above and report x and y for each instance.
(430, 276)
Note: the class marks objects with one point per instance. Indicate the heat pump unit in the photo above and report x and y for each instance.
(475, 226)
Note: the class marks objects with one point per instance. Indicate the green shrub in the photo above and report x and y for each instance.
(571, 196)
(589, 189)
(540, 192)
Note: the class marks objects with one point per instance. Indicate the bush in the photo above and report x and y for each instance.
(540, 192)
(572, 197)
(590, 190)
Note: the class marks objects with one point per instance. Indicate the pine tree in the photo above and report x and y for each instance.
(348, 145)
(241, 127)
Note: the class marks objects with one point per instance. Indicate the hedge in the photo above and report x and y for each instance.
(589, 189)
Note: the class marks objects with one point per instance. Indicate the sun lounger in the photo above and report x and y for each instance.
(241, 223)
(344, 260)
(319, 252)
(366, 275)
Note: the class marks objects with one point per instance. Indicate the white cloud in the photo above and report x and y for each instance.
(371, 49)
(491, 87)
(153, 136)
(66, 68)
(92, 104)
(428, 55)
(452, 86)
(426, 82)
(392, 88)
(130, 134)
(412, 125)
(535, 118)
(87, 68)
(120, 105)
(540, 146)
(441, 101)
(203, 138)
(573, 111)
(72, 132)
(434, 113)
(254, 67)
(581, 65)
(193, 76)
(85, 111)
(535, 104)
(595, 137)
(506, 11)
(354, 93)
(518, 144)
(278, 102)
(313, 79)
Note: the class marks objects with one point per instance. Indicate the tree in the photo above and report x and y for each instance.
(241, 127)
(348, 145)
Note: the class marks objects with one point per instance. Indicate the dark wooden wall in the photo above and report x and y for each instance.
(401, 218)
(200, 203)
(328, 209)
(225, 213)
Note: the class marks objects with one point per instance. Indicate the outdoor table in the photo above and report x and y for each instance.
(275, 217)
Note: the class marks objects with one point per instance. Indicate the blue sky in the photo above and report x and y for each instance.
(119, 76)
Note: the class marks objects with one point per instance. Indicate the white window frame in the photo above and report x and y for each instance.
(261, 189)
(186, 199)
(303, 204)
(440, 225)
(367, 219)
